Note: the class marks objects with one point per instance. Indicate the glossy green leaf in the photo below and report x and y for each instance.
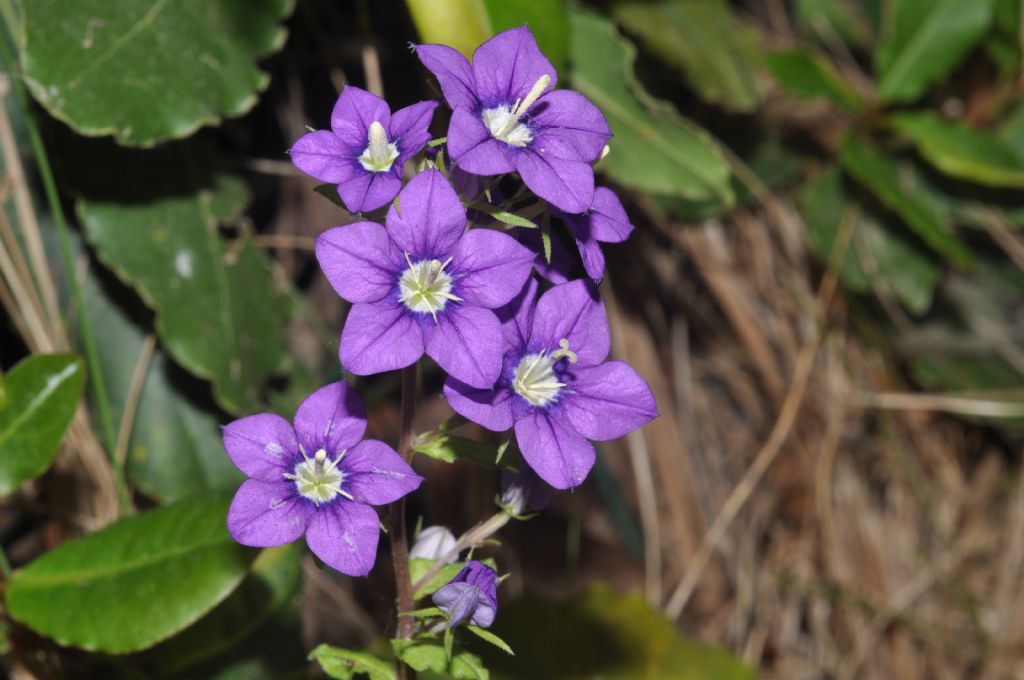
(879, 173)
(468, 666)
(422, 655)
(961, 151)
(600, 634)
(1004, 42)
(464, 24)
(654, 149)
(275, 578)
(175, 446)
(879, 257)
(418, 567)
(38, 399)
(134, 583)
(218, 311)
(719, 54)
(810, 76)
(488, 636)
(148, 71)
(923, 41)
(345, 664)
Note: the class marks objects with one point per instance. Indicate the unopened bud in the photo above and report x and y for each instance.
(433, 543)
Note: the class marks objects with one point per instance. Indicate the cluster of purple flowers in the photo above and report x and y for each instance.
(520, 354)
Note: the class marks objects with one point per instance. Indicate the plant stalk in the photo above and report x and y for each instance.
(399, 545)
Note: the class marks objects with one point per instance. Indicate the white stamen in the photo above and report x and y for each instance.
(536, 380)
(503, 120)
(426, 287)
(379, 154)
(318, 478)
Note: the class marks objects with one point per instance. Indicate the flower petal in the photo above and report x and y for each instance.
(322, 155)
(593, 259)
(491, 408)
(491, 267)
(344, 535)
(262, 446)
(517, 316)
(332, 418)
(360, 261)
(354, 112)
(453, 73)
(506, 67)
(409, 129)
(375, 474)
(473, 148)
(572, 311)
(264, 515)
(555, 451)
(366, 191)
(568, 126)
(458, 600)
(379, 337)
(607, 401)
(609, 222)
(566, 184)
(428, 219)
(467, 343)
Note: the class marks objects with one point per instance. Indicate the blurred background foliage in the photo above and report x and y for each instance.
(825, 291)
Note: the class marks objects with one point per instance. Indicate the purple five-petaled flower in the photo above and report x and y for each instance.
(365, 148)
(507, 117)
(424, 284)
(316, 478)
(556, 389)
(472, 595)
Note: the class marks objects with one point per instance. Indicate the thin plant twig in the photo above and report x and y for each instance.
(131, 406)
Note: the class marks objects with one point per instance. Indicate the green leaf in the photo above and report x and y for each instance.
(148, 71)
(449, 448)
(175, 448)
(469, 666)
(418, 568)
(718, 53)
(810, 76)
(654, 149)
(503, 216)
(38, 399)
(894, 263)
(832, 20)
(923, 41)
(422, 655)
(275, 578)
(1003, 43)
(345, 664)
(961, 151)
(219, 313)
(879, 174)
(490, 637)
(134, 583)
(600, 634)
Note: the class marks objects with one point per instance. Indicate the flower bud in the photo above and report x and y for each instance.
(523, 492)
(433, 543)
(472, 595)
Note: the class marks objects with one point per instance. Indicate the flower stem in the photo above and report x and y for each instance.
(399, 546)
(471, 539)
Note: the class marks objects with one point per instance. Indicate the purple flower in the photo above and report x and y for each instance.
(472, 594)
(556, 390)
(606, 221)
(424, 284)
(316, 479)
(507, 117)
(523, 492)
(365, 149)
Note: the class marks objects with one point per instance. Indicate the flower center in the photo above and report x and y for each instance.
(536, 380)
(426, 287)
(379, 154)
(318, 478)
(503, 120)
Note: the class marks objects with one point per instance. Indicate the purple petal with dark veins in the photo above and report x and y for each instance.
(263, 446)
(344, 535)
(332, 418)
(354, 112)
(506, 67)
(572, 311)
(453, 73)
(429, 218)
(491, 408)
(322, 155)
(360, 261)
(568, 126)
(375, 474)
(566, 184)
(517, 316)
(410, 129)
(378, 337)
(608, 221)
(474, 149)
(366, 191)
(265, 515)
(555, 451)
(607, 401)
(467, 343)
(491, 267)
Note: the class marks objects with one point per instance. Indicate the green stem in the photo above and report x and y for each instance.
(78, 298)
(5, 565)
